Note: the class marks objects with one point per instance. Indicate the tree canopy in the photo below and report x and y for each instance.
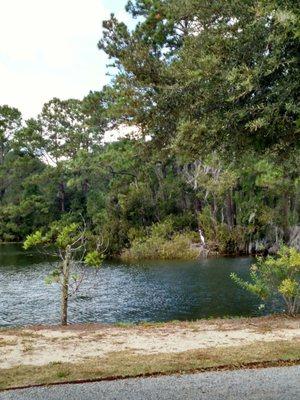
(213, 88)
(201, 76)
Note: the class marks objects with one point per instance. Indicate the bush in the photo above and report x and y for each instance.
(152, 248)
(273, 276)
(162, 230)
(162, 243)
(220, 237)
(179, 247)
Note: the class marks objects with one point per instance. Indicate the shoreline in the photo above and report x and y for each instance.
(144, 324)
(128, 260)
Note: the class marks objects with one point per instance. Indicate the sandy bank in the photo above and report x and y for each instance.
(43, 345)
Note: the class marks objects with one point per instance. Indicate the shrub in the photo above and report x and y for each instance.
(179, 247)
(162, 243)
(162, 230)
(220, 237)
(273, 276)
(152, 248)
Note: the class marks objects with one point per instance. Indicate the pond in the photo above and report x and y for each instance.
(118, 292)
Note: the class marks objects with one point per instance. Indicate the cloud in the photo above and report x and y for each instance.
(49, 48)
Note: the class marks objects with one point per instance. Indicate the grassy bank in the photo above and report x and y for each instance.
(127, 364)
(44, 355)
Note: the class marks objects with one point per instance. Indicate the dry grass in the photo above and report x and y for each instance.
(259, 324)
(275, 321)
(128, 364)
(5, 342)
(21, 333)
(38, 346)
(43, 355)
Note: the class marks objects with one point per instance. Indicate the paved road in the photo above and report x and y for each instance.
(262, 384)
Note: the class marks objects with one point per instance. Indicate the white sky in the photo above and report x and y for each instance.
(48, 48)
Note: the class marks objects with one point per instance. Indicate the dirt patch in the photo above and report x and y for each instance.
(37, 346)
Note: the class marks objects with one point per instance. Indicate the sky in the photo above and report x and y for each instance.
(48, 48)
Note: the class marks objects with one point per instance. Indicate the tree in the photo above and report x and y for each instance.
(70, 242)
(215, 85)
(10, 123)
(70, 126)
(273, 276)
(66, 129)
(201, 76)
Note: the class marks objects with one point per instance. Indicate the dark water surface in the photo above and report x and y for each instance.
(147, 291)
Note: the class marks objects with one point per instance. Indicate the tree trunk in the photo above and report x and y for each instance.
(85, 187)
(2, 192)
(65, 286)
(2, 151)
(198, 205)
(286, 212)
(214, 208)
(230, 211)
(62, 197)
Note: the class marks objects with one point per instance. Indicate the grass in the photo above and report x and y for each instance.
(27, 347)
(259, 324)
(5, 343)
(124, 324)
(20, 332)
(128, 364)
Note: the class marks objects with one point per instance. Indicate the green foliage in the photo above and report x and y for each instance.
(53, 277)
(71, 126)
(93, 259)
(220, 237)
(34, 239)
(162, 242)
(203, 76)
(162, 230)
(207, 223)
(10, 123)
(66, 236)
(68, 243)
(123, 193)
(278, 275)
(215, 86)
(58, 234)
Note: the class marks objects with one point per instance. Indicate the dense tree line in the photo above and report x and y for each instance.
(215, 86)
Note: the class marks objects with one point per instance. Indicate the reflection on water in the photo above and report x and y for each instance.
(147, 291)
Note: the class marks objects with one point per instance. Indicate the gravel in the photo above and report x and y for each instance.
(256, 384)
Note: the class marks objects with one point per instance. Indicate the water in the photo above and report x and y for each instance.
(147, 291)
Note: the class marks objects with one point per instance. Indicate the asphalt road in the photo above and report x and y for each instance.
(261, 384)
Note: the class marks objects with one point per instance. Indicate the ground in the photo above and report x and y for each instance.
(41, 354)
